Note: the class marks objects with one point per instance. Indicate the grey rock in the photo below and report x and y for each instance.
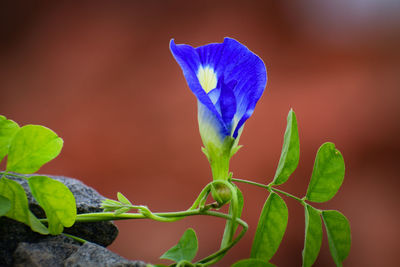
(92, 255)
(51, 251)
(12, 233)
(87, 200)
(60, 251)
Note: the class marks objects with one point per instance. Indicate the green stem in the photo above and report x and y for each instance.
(148, 214)
(288, 195)
(250, 182)
(200, 200)
(108, 216)
(216, 256)
(81, 240)
(270, 188)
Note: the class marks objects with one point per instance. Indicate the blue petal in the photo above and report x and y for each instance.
(236, 62)
(189, 60)
(227, 102)
(233, 61)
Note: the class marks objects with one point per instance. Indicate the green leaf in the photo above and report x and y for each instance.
(19, 205)
(328, 174)
(186, 248)
(5, 205)
(32, 147)
(8, 129)
(57, 201)
(339, 235)
(227, 237)
(36, 225)
(252, 263)
(313, 236)
(123, 199)
(270, 229)
(290, 151)
(19, 202)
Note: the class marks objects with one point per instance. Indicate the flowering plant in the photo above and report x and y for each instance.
(227, 80)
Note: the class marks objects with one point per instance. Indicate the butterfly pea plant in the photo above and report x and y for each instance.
(227, 80)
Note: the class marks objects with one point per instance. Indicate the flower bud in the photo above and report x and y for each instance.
(221, 192)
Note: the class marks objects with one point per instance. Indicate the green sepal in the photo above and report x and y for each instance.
(327, 175)
(32, 147)
(290, 151)
(339, 235)
(204, 150)
(313, 235)
(185, 250)
(57, 201)
(235, 149)
(270, 229)
(8, 129)
(219, 156)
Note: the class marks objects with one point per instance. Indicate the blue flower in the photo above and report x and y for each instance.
(227, 80)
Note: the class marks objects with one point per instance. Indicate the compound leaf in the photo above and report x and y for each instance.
(339, 235)
(32, 147)
(290, 151)
(186, 248)
(270, 229)
(328, 174)
(313, 236)
(57, 201)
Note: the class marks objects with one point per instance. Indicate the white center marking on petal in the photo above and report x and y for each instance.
(207, 78)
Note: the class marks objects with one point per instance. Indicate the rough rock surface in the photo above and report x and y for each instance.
(92, 255)
(19, 246)
(52, 251)
(12, 233)
(62, 251)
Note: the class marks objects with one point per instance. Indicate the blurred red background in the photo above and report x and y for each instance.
(100, 74)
